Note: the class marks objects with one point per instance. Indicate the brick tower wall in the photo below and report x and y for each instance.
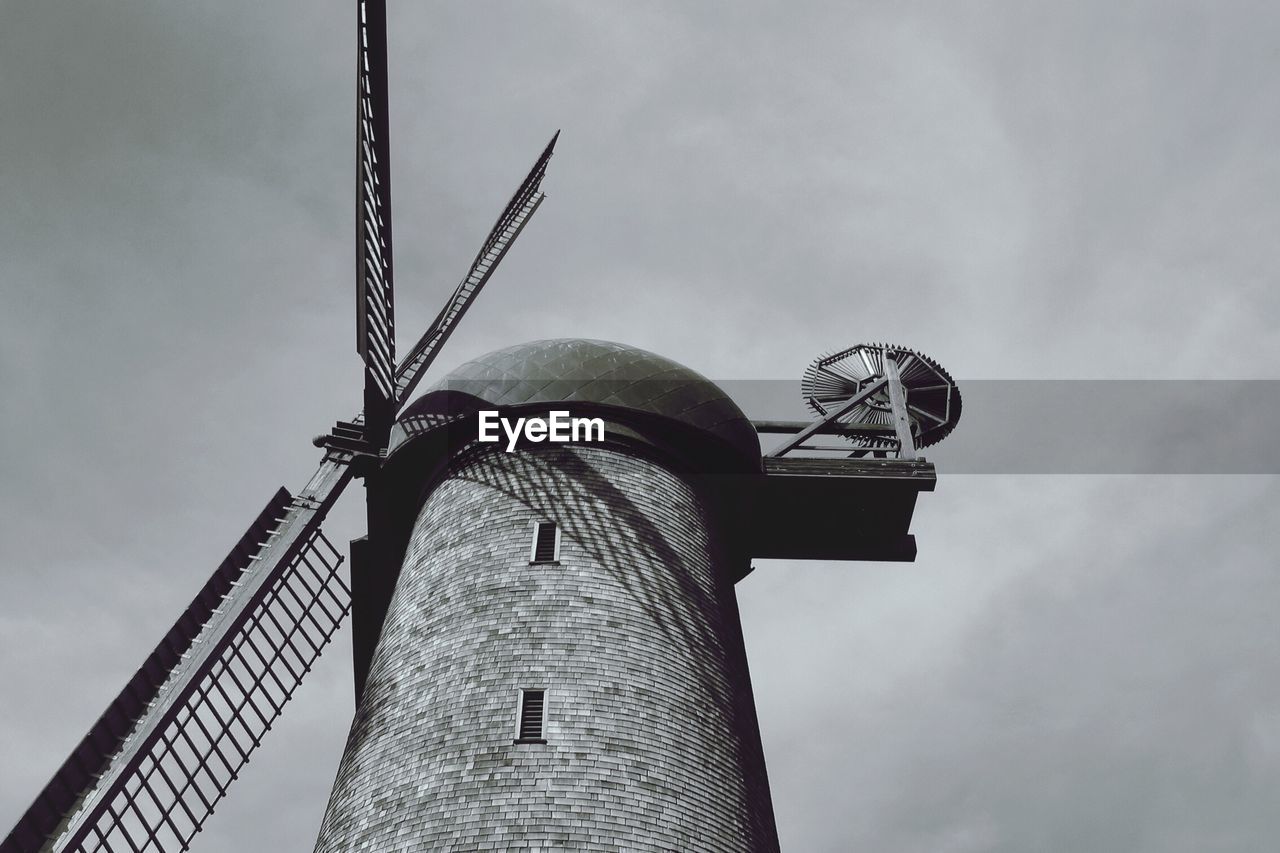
(652, 740)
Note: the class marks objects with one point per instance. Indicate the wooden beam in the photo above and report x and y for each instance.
(898, 402)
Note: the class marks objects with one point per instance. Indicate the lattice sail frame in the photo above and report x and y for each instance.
(185, 747)
(524, 202)
(375, 293)
(192, 760)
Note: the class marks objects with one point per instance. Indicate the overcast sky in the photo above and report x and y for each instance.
(1023, 190)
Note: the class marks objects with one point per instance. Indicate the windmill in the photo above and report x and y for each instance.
(554, 627)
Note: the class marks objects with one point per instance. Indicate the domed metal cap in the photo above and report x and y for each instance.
(599, 374)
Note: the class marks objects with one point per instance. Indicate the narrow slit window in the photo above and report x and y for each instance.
(533, 712)
(546, 542)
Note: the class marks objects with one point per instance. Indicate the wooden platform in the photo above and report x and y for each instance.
(828, 509)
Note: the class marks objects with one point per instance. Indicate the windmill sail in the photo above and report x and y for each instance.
(523, 203)
(375, 296)
(94, 752)
(152, 769)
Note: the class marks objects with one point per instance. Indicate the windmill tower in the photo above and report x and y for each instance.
(547, 650)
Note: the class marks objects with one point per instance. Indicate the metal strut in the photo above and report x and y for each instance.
(824, 423)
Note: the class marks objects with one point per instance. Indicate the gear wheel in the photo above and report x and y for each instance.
(933, 401)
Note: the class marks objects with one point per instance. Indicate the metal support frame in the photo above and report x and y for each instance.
(890, 380)
(848, 430)
(825, 422)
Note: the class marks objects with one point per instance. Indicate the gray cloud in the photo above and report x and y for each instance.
(1021, 190)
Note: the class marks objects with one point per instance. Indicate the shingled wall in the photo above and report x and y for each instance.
(652, 741)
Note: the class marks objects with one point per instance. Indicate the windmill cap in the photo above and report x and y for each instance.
(596, 376)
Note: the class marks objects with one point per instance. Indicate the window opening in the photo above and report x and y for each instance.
(546, 542)
(533, 708)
